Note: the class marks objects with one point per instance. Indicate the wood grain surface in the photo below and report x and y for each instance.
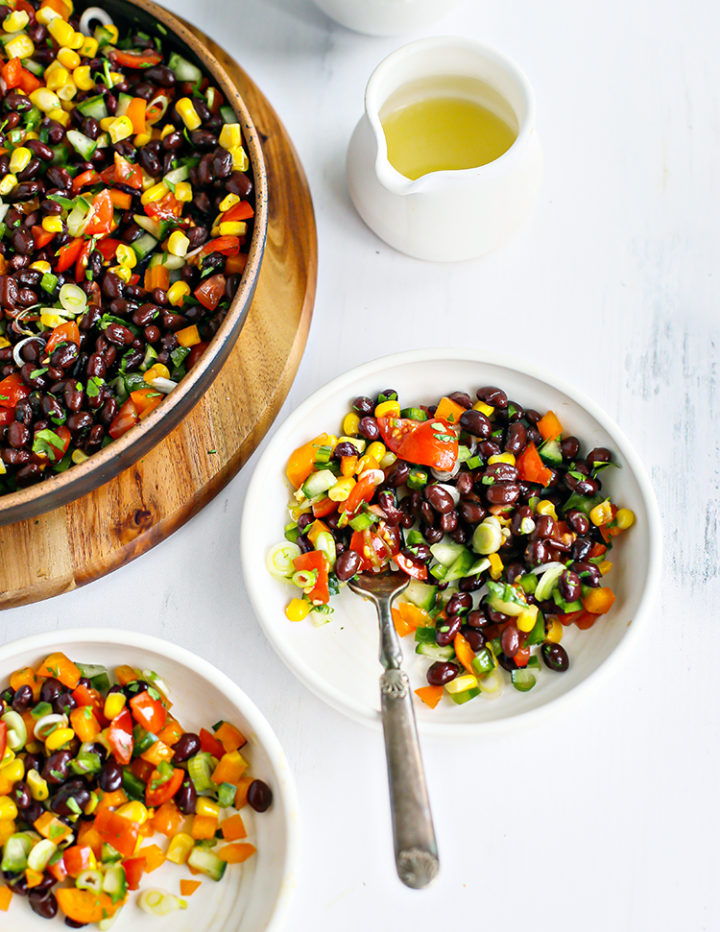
(96, 534)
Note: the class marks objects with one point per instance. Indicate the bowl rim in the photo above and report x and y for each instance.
(267, 463)
(123, 453)
(266, 737)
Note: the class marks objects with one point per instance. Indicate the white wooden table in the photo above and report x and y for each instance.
(602, 817)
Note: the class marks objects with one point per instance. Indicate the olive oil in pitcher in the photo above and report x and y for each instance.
(443, 124)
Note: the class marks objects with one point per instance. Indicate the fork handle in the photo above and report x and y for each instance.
(416, 856)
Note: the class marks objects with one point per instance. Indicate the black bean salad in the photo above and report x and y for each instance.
(494, 513)
(126, 203)
(100, 785)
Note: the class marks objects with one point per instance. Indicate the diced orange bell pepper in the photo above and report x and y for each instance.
(188, 336)
(50, 827)
(188, 887)
(230, 768)
(449, 410)
(120, 199)
(88, 835)
(236, 853)
(549, 426)
(117, 831)
(402, 627)
(158, 752)
(167, 819)
(302, 460)
(157, 276)
(111, 800)
(531, 468)
(598, 601)
(136, 114)
(230, 737)
(125, 674)
(233, 828)
(154, 857)
(430, 695)
(85, 906)
(204, 827)
(235, 265)
(24, 677)
(243, 785)
(84, 723)
(5, 898)
(33, 878)
(60, 667)
(465, 654)
(171, 733)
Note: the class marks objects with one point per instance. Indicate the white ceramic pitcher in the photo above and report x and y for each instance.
(456, 214)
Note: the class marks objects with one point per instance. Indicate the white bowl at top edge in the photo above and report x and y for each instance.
(385, 17)
(339, 660)
(254, 898)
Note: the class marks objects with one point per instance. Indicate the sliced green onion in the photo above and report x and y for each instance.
(160, 903)
(48, 723)
(16, 730)
(326, 543)
(305, 579)
(40, 855)
(89, 880)
(73, 298)
(279, 560)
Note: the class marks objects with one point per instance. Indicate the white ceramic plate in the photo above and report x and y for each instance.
(338, 661)
(252, 897)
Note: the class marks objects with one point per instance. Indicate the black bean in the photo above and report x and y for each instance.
(239, 183)
(569, 585)
(492, 396)
(516, 438)
(578, 521)
(448, 522)
(110, 777)
(21, 795)
(499, 472)
(476, 423)
(471, 512)
(41, 150)
(587, 487)
(431, 534)
(22, 241)
(555, 657)
(43, 903)
(440, 499)
(25, 190)
(72, 794)
(441, 672)
(477, 619)
(172, 141)
(446, 630)
(259, 796)
(474, 637)
(462, 399)
(55, 770)
(51, 688)
(464, 483)
(510, 639)
(64, 703)
(580, 549)
(503, 493)
(18, 435)
(23, 698)
(570, 447)
(17, 102)
(536, 553)
(368, 428)
(588, 573)
(347, 565)
(514, 571)
(186, 747)
(544, 527)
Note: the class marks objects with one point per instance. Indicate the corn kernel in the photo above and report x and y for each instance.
(7, 184)
(166, 130)
(126, 256)
(21, 46)
(7, 828)
(624, 518)
(31, 134)
(178, 243)
(388, 409)
(122, 272)
(78, 457)
(483, 408)
(605, 566)
(121, 128)
(206, 807)
(183, 192)
(188, 113)
(61, 31)
(554, 632)
(116, 78)
(58, 738)
(135, 811)
(376, 450)
(230, 136)
(156, 193)
(230, 200)
(501, 458)
(350, 424)
(46, 14)
(8, 809)
(88, 49)
(52, 224)
(462, 683)
(67, 91)
(60, 116)
(527, 618)
(233, 228)
(46, 100)
(68, 58)
(156, 371)
(546, 507)
(342, 488)
(83, 79)
(182, 844)
(114, 704)
(496, 565)
(176, 293)
(106, 123)
(19, 159)
(15, 21)
(112, 29)
(240, 161)
(601, 514)
(366, 462)
(56, 75)
(91, 805)
(142, 139)
(37, 785)
(296, 610)
(4, 342)
(41, 265)
(13, 772)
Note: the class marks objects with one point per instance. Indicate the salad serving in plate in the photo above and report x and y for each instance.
(514, 505)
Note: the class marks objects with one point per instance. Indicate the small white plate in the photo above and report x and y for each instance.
(339, 660)
(252, 897)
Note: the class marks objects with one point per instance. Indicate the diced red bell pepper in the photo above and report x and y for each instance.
(126, 172)
(82, 261)
(361, 492)
(157, 792)
(134, 869)
(55, 454)
(68, 254)
(326, 506)
(68, 332)
(148, 712)
(145, 59)
(413, 569)
(209, 743)
(77, 859)
(86, 695)
(117, 831)
(126, 418)
(195, 354)
(41, 237)
(3, 738)
(120, 737)
(100, 218)
(226, 245)
(85, 178)
(211, 291)
(241, 211)
(12, 390)
(28, 81)
(531, 468)
(431, 443)
(11, 72)
(315, 560)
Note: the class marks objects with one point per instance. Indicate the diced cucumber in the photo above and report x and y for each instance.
(177, 175)
(207, 862)
(94, 107)
(435, 651)
(484, 661)
(183, 69)
(114, 882)
(156, 228)
(40, 854)
(124, 101)
(446, 551)
(15, 852)
(566, 607)
(421, 594)
(551, 452)
(200, 768)
(170, 262)
(504, 599)
(465, 696)
(547, 582)
(529, 583)
(228, 114)
(150, 357)
(318, 483)
(537, 635)
(144, 245)
(522, 679)
(460, 567)
(109, 855)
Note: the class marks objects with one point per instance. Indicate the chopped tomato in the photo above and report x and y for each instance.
(211, 744)
(225, 245)
(326, 506)
(375, 546)
(146, 400)
(68, 254)
(241, 211)
(148, 712)
(315, 561)
(126, 418)
(144, 59)
(28, 81)
(195, 354)
(416, 570)
(85, 178)
(211, 291)
(55, 453)
(63, 333)
(361, 492)
(11, 72)
(134, 869)
(100, 218)
(41, 237)
(12, 390)
(82, 261)
(120, 738)
(78, 858)
(117, 831)
(159, 790)
(7, 416)
(431, 443)
(168, 208)
(531, 468)
(107, 248)
(126, 172)
(3, 738)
